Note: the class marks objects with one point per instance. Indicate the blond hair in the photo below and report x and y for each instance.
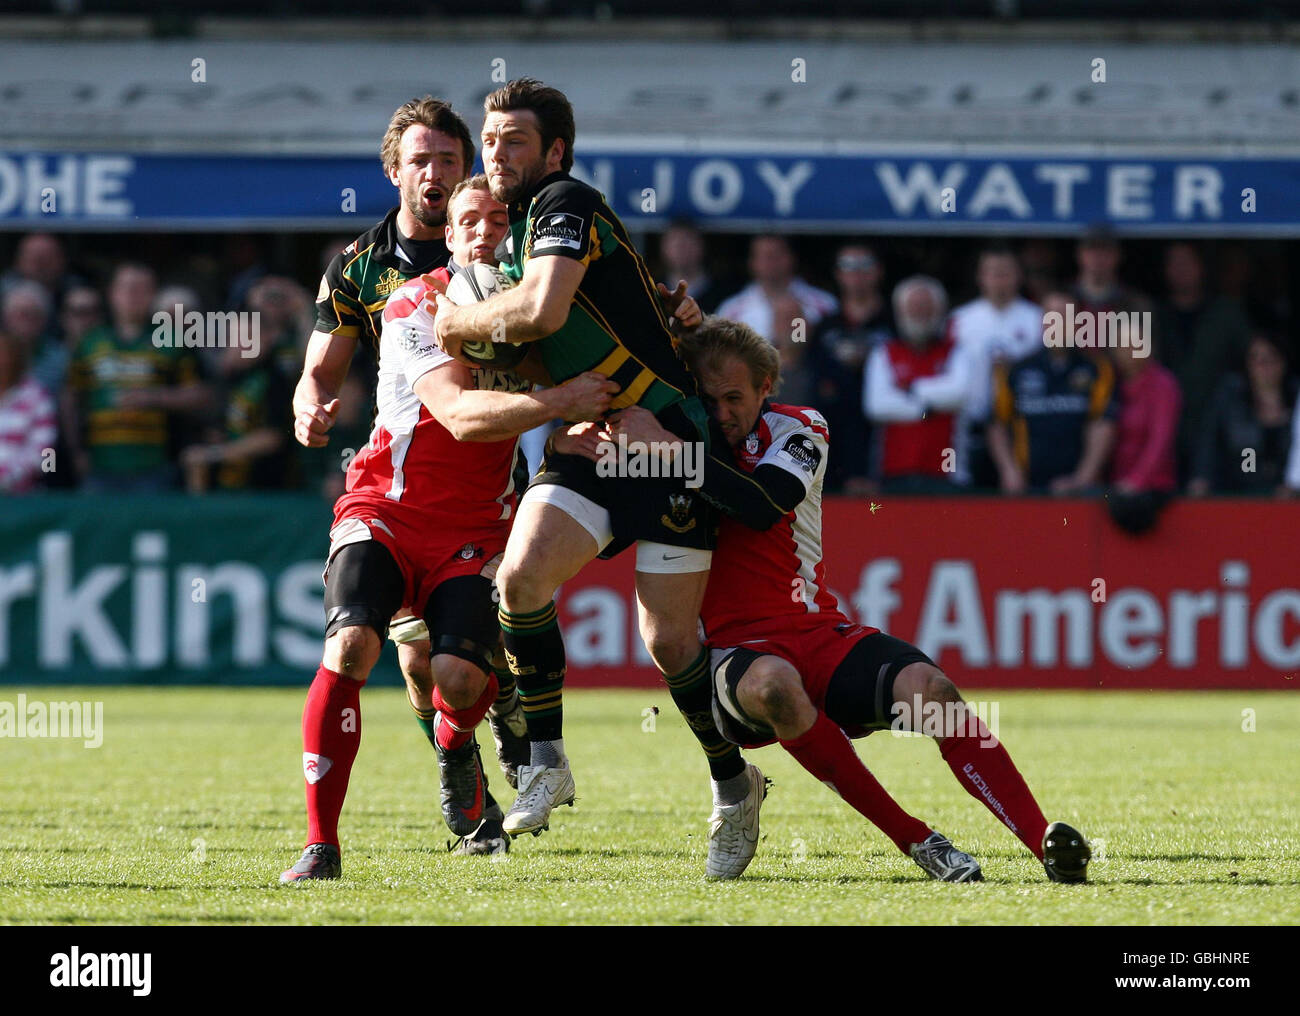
(718, 339)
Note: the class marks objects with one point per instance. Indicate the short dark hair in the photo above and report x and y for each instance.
(478, 181)
(429, 112)
(549, 105)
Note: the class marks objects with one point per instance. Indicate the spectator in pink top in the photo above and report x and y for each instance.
(27, 425)
(1144, 462)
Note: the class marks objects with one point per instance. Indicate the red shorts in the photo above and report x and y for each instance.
(814, 645)
(428, 547)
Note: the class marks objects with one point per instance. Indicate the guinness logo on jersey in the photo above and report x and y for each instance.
(800, 449)
(679, 507)
(390, 280)
(560, 229)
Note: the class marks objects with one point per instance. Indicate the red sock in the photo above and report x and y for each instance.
(458, 724)
(331, 735)
(826, 753)
(984, 768)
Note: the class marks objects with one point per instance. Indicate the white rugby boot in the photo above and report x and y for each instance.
(541, 790)
(733, 830)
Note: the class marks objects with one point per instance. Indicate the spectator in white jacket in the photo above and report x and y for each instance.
(783, 309)
(998, 327)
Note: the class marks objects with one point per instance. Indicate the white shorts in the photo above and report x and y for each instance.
(655, 558)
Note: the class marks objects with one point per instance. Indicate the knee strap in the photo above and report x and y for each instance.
(466, 649)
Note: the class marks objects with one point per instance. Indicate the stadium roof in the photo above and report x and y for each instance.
(1216, 100)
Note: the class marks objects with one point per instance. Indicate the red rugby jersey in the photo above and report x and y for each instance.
(413, 459)
(774, 578)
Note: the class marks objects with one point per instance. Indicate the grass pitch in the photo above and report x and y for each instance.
(194, 804)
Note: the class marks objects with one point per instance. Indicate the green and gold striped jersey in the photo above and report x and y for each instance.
(617, 325)
(360, 278)
(121, 441)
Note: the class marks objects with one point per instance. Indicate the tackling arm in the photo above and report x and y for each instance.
(532, 310)
(471, 414)
(758, 500)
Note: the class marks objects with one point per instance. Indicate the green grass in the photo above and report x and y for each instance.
(194, 804)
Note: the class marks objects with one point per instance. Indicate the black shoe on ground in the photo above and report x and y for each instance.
(489, 837)
(1065, 853)
(318, 861)
(463, 785)
(510, 733)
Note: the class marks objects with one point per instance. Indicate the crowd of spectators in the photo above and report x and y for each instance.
(1132, 397)
(1180, 392)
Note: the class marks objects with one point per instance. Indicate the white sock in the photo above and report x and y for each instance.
(549, 754)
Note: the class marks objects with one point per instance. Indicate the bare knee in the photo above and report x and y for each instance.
(775, 695)
(523, 588)
(460, 682)
(672, 651)
(939, 689)
(352, 651)
(925, 681)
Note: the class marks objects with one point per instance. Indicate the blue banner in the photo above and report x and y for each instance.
(817, 193)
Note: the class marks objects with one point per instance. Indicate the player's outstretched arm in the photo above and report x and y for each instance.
(532, 310)
(449, 394)
(315, 399)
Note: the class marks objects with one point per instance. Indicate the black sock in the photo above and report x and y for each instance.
(693, 697)
(535, 653)
(505, 688)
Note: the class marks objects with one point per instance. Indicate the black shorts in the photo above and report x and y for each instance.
(656, 509)
(364, 587)
(859, 696)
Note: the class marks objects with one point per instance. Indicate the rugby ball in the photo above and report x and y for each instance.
(473, 284)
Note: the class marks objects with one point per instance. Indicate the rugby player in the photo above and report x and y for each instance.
(586, 294)
(423, 521)
(787, 665)
(426, 151)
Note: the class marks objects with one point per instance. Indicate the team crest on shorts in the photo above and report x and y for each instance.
(679, 507)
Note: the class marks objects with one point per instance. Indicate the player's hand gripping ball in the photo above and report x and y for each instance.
(473, 284)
